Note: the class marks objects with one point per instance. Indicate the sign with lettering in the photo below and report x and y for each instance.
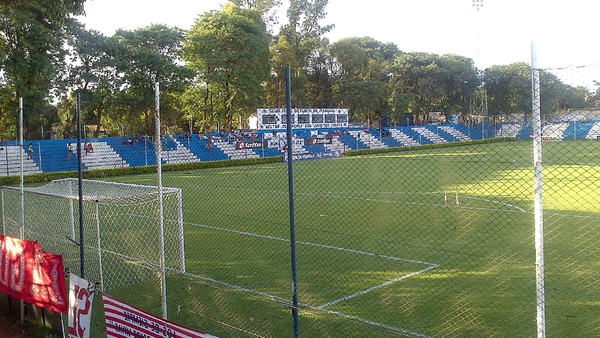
(302, 118)
(29, 273)
(80, 307)
(124, 321)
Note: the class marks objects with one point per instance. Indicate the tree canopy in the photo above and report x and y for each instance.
(229, 64)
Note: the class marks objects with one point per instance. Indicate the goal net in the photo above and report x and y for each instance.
(122, 245)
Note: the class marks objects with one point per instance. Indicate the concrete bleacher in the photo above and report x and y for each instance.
(232, 152)
(403, 138)
(103, 156)
(455, 133)
(429, 136)
(116, 152)
(555, 131)
(368, 139)
(594, 131)
(509, 129)
(178, 153)
(10, 161)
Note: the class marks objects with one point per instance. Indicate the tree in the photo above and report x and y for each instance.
(229, 49)
(424, 83)
(296, 43)
(360, 80)
(267, 9)
(92, 73)
(144, 57)
(31, 39)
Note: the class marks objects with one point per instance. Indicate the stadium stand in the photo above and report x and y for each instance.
(117, 152)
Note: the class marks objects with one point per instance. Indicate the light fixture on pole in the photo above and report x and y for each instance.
(477, 4)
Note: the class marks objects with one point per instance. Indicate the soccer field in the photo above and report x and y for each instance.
(426, 243)
(435, 242)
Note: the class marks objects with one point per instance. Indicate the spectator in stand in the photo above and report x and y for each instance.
(89, 148)
(30, 151)
(70, 149)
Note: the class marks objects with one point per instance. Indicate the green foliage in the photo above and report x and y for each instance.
(31, 38)
(424, 83)
(147, 56)
(229, 50)
(230, 66)
(361, 80)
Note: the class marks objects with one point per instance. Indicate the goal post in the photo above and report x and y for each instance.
(120, 225)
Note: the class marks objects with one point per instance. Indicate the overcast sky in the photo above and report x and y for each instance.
(500, 32)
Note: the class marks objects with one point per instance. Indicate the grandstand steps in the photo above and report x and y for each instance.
(555, 131)
(404, 139)
(509, 130)
(368, 139)
(10, 162)
(430, 135)
(594, 132)
(455, 133)
(233, 153)
(103, 157)
(180, 154)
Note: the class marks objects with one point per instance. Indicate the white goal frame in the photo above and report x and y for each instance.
(56, 229)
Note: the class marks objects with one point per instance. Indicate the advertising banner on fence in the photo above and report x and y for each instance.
(124, 321)
(29, 273)
(312, 156)
(80, 307)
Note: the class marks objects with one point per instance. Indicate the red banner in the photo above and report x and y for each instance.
(125, 321)
(29, 273)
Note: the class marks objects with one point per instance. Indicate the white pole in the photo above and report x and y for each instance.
(181, 233)
(3, 215)
(71, 211)
(538, 184)
(22, 189)
(163, 280)
(99, 246)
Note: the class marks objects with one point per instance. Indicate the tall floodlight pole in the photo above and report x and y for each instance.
(537, 199)
(479, 102)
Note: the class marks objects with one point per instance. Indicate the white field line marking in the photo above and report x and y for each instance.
(430, 265)
(311, 244)
(323, 307)
(341, 196)
(385, 326)
(377, 287)
(289, 304)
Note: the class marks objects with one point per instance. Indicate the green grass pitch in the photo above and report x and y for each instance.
(427, 243)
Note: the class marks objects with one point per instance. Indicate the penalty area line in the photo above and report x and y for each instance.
(360, 293)
(290, 305)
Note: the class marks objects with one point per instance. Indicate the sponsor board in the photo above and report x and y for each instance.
(317, 140)
(241, 145)
(123, 320)
(29, 273)
(312, 156)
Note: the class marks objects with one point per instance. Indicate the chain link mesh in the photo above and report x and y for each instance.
(423, 241)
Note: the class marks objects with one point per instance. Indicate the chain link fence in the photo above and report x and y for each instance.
(431, 240)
